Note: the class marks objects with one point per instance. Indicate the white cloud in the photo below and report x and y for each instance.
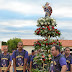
(64, 24)
(30, 8)
(19, 23)
(22, 7)
(18, 31)
(66, 36)
(62, 11)
(10, 36)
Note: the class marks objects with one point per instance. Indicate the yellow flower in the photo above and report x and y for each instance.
(49, 55)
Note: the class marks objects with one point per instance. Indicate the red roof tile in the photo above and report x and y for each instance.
(66, 43)
(30, 42)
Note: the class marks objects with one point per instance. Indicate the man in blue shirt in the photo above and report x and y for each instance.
(31, 61)
(68, 59)
(5, 61)
(58, 62)
(20, 59)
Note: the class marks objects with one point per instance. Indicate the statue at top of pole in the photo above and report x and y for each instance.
(47, 9)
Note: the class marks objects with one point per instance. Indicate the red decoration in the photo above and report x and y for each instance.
(43, 59)
(49, 43)
(56, 32)
(52, 27)
(59, 33)
(48, 28)
(46, 43)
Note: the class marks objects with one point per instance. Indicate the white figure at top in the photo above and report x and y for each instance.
(47, 9)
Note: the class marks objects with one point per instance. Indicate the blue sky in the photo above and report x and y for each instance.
(18, 18)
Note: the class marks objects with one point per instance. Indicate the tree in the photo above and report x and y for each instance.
(12, 44)
(47, 29)
(4, 43)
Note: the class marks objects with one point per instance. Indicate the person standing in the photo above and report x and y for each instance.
(5, 61)
(58, 63)
(32, 65)
(68, 59)
(29, 59)
(20, 58)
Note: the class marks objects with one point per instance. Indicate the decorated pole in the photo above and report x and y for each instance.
(46, 29)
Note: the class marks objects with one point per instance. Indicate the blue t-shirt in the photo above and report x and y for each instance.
(33, 65)
(5, 59)
(29, 59)
(59, 61)
(20, 56)
(69, 62)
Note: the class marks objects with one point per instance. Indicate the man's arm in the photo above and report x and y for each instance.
(8, 66)
(0, 61)
(14, 64)
(63, 64)
(14, 61)
(10, 60)
(70, 67)
(0, 70)
(30, 65)
(64, 68)
(25, 64)
(25, 61)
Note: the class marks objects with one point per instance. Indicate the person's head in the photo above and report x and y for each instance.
(47, 3)
(67, 50)
(55, 50)
(33, 52)
(20, 45)
(13, 50)
(5, 49)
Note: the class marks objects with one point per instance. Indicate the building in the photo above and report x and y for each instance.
(67, 43)
(28, 44)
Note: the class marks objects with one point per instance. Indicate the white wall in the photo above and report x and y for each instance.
(29, 48)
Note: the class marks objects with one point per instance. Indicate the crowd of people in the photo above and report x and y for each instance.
(22, 62)
(61, 62)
